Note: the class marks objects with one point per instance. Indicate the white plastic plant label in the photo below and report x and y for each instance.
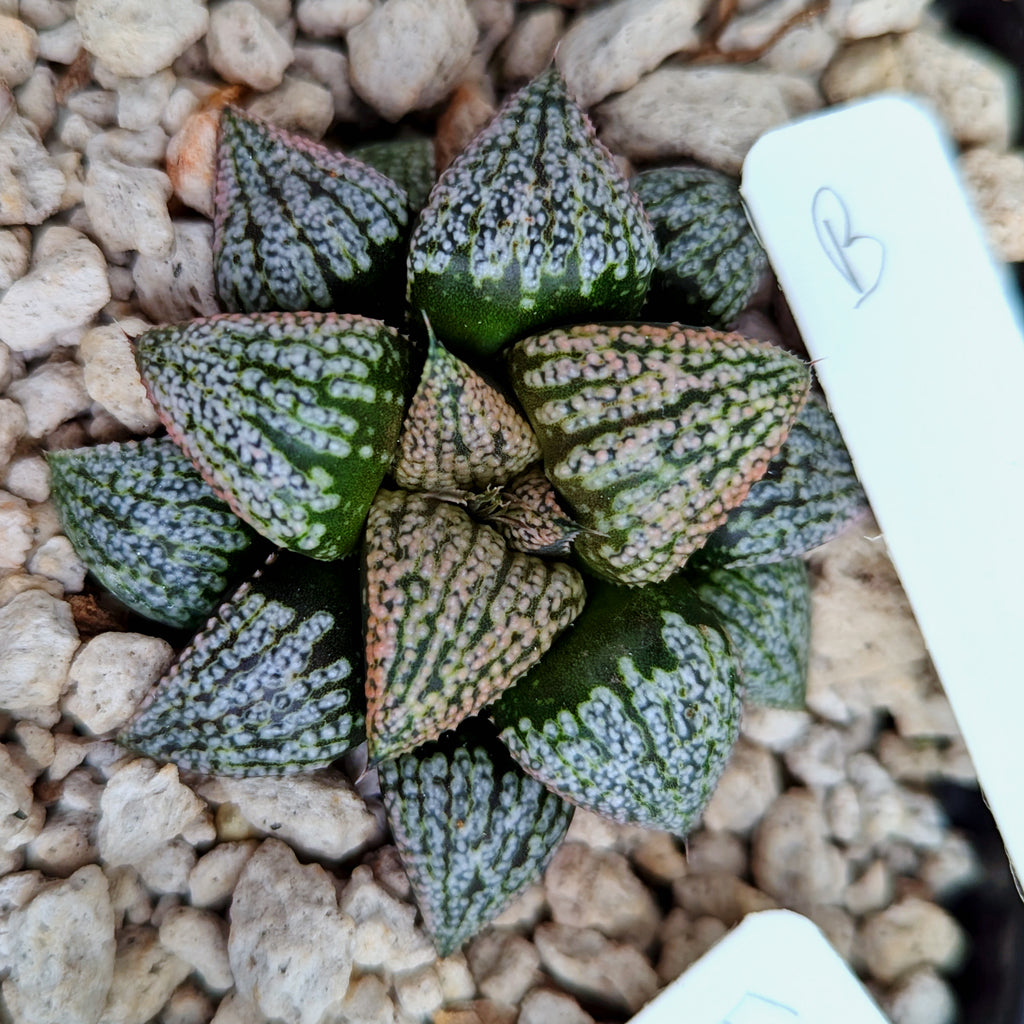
(775, 967)
(918, 345)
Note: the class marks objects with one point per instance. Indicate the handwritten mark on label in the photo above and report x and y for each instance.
(860, 259)
(755, 1009)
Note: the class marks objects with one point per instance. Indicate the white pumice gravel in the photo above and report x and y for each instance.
(131, 892)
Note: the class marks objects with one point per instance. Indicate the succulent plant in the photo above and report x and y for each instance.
(489, 534)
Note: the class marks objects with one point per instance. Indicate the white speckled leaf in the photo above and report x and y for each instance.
(148, 527)
(634, 711)
(272, 684)
(473, 829)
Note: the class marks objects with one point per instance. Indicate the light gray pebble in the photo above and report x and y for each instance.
(708, 851)
(922, 997)
(504, 964)
(842, 809)
(15, 245)
(50, 394)
(58, 560)
(62, 952)
(128, 207)
(911, 933)
(236, 1009)
(188, 1004)
(129, 896)
(607, 50)
(684, 940)
(64, 844)
(818, 758)
(297, 105)
(42, 14)
(863, 19)
(136, 38)
(200, 938)
(418, 994)
(166, 870)
(290, 947)
(96, 105)
(328, 65)
(748, 786)
(719, 895)
(872, 891)
(331, 17)
(19, 45)
(145, 975)
(545, 1005)
(30, 181)
(35, 745)
(245, 47)
(409, 54)
(215, 874)
(37, 101)
(678, 112)
(141, 101)
(15, 797)
(28, 477)
(111, 376)
(64, 289)
(75, 131)
(951, 867)
(530, 45)
(16, 889)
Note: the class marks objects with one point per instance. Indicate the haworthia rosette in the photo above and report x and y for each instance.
(709, 259)
(292, 417)
(298, 226)
(148, 527)
(767, 611)
(460, 432)
(472, 828)
(272, 684)
(634, 711)
(532, 224)
(651, 433)
(808, 495)
(452, 617)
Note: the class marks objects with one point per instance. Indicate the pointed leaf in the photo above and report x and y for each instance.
(292, 417)
(148, 527)
(533, 224)
(453, 617)
(808, 495)
(299, 227)
(460, 431)
(634, 711)
(528, 515)
(767, 611)
(473, 829)
(272, 684)
(409, 163)
(710, 262)
(652, 433)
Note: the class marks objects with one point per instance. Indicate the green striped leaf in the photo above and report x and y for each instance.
(652, 433)
(634, 711)
(533, 224)
(408, 162)
(148, 528)
(460, 432)
(472, 828)
(527, 513)
(297, 226)
(767, 610)
(452, 617)
(272, 684)
(808, 495)
(710, 262)
(293, 418)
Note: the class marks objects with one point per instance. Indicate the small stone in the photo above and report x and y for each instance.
(456, 980)
(215, 875)
(775, 728)
(385, 936)
(319, 813)
(166, 870)
(37, 641)
(331, 17)
(710, 852)
(911, 933)
(923, 762)
(68, 753)
(18, 46)
(524, 911)
(61, 44)
(922, 997)
(128, 896)
(43, 13)
(478, 1011)
(951, 867)
(388, 869)
(408, 54)
(15, 244)
(62, 952)
(290, 947)
(29, 477)
(136, 38)
(64, 843)
(30, 182)
(200, 938)
(872, 891)
(35, 745)
(842, 810)
(678, 112)
(863, 19)
(98, 106)
(111, 376)
(658, 858)
(128, 207)
(63, 290)
(145, 975)
(818, 759)
(50, 395)
(609, 49)
(329, 66)
(792, 858)
(995, 184)
(57, 560)
(142, 808)
(504, 964)
(37, 101)
(244, 47)
(594, 967)
(188, 1004)
(15, 532)
(297, 106)
(684, 940)
(15, 798)
(419, 994)
(748, 786)
(531, 44)
(141, 101)
(16, 890)
(596, 889)
(719, 895)
(367, 1002)
(545, 1005)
